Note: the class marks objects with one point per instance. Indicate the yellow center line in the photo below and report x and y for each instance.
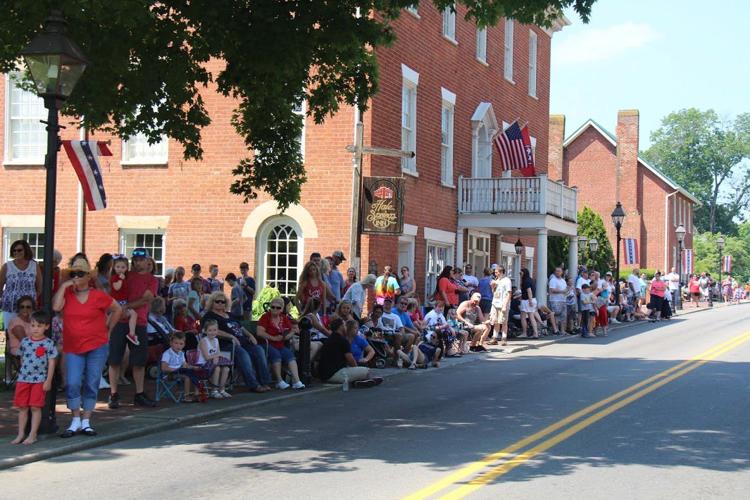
(486, 461)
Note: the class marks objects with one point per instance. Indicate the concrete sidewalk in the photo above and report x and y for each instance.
(139, 423)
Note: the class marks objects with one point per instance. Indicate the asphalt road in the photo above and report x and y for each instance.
(680, 434)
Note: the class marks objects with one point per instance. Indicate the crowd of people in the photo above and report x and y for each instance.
(117, 313)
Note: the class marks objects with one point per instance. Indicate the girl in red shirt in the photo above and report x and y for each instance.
(119, 291)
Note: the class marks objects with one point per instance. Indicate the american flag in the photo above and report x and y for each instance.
(84, 156)
(510, 144)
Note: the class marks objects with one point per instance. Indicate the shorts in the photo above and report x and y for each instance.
(558, 308)
(485, 305)
(611, 309)
(428, 350)
(656, 303)
(29, 395)
(528, 306)
(602, 316)
(118, 342)
(571, 309)
(276, 355)
(498, 315)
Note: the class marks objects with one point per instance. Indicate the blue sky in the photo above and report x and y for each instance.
(657, 56)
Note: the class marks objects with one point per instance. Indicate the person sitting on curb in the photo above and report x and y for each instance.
(471, 316)
(361, 349)
(337, 365)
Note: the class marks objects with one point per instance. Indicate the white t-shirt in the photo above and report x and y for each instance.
(503, 287)
(390, 322)
(433, 318)
(635, 282)
(559, 285)
(212, 347)
(173, 359)
(673, 280)
(356, 295)
(471, 282)
(582, 281)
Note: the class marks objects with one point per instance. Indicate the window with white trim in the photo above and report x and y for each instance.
(478, 254)
(281, 256)
(482, 44)
(446, 143)
(483, 144)
(508, 50)
(138, 151)
(412, 9)
(150, 239)
(33, 235)
(438, 256)
(409, 117)
(449, 23)
(25, 135)
(533, 50)
(301, 110)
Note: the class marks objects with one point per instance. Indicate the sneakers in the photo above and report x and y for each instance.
(141, 400)
(114, 401)
(225, 394)
(364, 384)
(282, 385)
(132, 339)
(614, 320)
(298, 385)
(492, 342)
(215, 394)
(480, 348)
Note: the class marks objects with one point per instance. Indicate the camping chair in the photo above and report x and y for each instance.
(12, 364)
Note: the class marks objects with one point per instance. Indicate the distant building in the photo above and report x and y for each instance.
(606, 168)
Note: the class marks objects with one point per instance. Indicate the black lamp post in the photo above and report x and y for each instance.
(55, 64)
(680, 232)
(720, 245)
(618, 215)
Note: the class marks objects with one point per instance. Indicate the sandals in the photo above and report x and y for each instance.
(88, 431)
(69, 433)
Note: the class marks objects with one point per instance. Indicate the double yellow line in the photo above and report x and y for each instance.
(507, 459)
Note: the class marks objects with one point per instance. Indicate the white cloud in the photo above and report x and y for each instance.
(597, 44)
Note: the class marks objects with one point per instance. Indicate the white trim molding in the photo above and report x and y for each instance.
(21, 220)
(150, 222)
(409, 74)
(268, 209)
(448, 96)
(440, 236)
(410, 230)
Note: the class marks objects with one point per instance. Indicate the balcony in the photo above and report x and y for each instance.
(517, 195)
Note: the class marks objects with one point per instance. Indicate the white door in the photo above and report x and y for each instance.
(406, 253)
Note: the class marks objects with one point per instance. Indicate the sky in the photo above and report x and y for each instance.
(656, 56)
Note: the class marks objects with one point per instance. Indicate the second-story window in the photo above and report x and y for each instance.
(508, 51)
(300, 110)
(446, 137)
(409, 117)
(26, 137)
(449, 23)
(482, 44)
(533, 50)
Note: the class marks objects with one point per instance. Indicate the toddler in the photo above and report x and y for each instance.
(173, 361)
(119, 291)
(431, 349)
(587, 310)
(38, 357)
(211, 359)
(571, 304)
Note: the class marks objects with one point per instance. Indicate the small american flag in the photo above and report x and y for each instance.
(84, 156)
(510, 144)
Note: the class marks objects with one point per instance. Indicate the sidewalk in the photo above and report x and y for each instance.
(129, 421)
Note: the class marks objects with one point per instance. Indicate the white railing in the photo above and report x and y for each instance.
(537, 195)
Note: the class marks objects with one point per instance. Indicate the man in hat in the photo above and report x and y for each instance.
(356, 293)
(142, 287)
(336, 279)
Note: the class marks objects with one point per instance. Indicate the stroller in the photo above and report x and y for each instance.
(380, 346)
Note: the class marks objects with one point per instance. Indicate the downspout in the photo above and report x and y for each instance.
(666, 230)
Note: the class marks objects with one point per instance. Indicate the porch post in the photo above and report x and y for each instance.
(573, 256)
(459, 248)
(541, 267)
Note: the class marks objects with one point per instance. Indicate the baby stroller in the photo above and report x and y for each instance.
(380, 346)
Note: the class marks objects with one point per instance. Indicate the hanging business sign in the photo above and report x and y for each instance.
(383, 205)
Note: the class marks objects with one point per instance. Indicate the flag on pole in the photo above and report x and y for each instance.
(510, 145)
(84, 156)
(528, 170)
(630, 247)
(687, 261)
(726, 264)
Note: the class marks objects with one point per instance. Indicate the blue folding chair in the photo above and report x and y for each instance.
(170, 385)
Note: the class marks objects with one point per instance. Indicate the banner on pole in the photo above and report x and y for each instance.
(687, 261)
(84, 156)
(383, 205)
(630, 246)
(726, 264)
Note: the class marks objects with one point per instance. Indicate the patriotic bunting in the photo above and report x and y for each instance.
(630, 246)
(726, 264)
(687, 261)
(84, 156)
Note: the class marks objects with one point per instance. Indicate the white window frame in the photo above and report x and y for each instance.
(475, 252)
(126, 249)
(413, 10)
(484, 126)
(11, 234)
(262, 244)
(41, 114)
(508, 51)
(302, 111)
(159, 151)
(482, 45)
(430, 275)
(410, 81)
(447, 113)
(449, 24)
(533, 62)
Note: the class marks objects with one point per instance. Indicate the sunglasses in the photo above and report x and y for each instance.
(220, 301)
(275, 307)
(139, 253)
(26, 307)
(17, 250)
(78, 274)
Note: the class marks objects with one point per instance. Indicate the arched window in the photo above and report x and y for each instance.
(280, 254)
(484, 125)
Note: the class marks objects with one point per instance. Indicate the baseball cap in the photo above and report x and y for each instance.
(339, 255)
(140, 253)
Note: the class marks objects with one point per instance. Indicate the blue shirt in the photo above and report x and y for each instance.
(405, 319)
(484, 287)
(336, 282)
(359, 344)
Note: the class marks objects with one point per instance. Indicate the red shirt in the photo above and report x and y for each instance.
(137, 284)
(266, 322)
(658, 287)
(447, 286)
(120, 295)
(184, 324)
(312, 292)
(694, 286)
(85, 325)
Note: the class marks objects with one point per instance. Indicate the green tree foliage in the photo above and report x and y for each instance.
(706, 155)
(707, 253)
(149, 64)
(591, 225)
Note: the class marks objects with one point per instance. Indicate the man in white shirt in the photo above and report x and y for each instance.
(500, 310)
(472, 282)
(634, 283)
(392, 327)
(557, 288)
(356, 293)
(673, 281)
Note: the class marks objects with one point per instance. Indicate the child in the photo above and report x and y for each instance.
(182, 322)
(571, 306)
(173, 361)
(119, 291)
(431, 349)
(38, 357)
(212, 360)
(587, 310)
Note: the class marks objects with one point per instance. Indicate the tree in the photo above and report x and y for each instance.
(591, 225)
(706, 156)
(707, 253)
(150, 61)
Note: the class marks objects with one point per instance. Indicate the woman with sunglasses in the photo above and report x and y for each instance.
(18, 277)
(20, 326)
(249, 357)
(278, 330)
(88, 318)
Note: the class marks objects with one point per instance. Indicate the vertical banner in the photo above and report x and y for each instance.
(726, 264)
(630, 249)
(687, 261)
(383, 205)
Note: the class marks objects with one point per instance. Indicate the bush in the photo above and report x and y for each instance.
(624, 273)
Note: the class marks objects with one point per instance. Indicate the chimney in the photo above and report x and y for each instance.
(627, 159)
(556, 170)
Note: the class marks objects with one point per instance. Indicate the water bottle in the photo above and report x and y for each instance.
(345, 385)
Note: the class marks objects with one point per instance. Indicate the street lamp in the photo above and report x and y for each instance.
(720, 245)
(519, 244)
(680, 232)
(618, 215)
(55, 63)
(593, 245)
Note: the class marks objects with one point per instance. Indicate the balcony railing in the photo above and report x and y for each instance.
(532, 195)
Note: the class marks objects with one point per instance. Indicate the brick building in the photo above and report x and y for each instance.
(446, 88)
(606, 168)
